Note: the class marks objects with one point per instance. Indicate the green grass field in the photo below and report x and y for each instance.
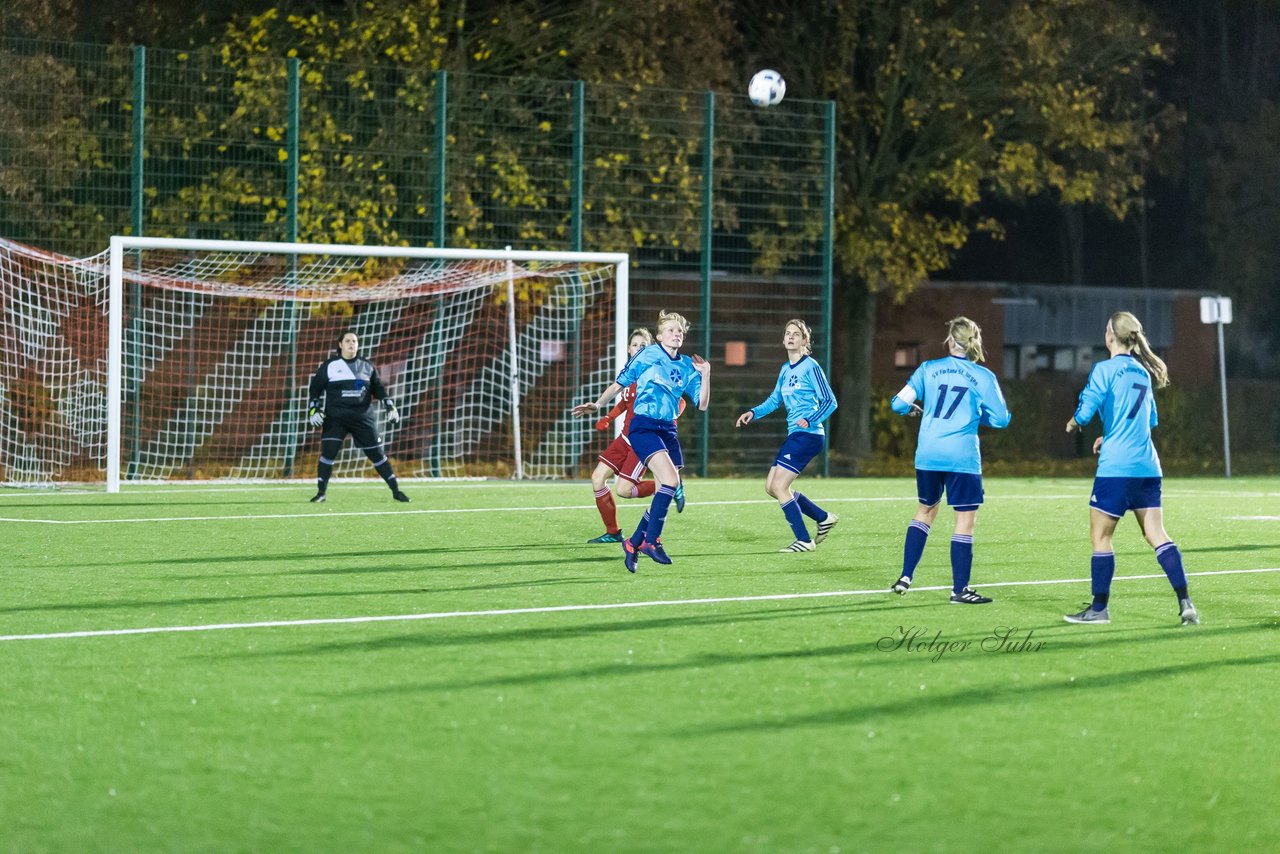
(463, 673)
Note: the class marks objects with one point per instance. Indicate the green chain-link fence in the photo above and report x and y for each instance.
(725, 208)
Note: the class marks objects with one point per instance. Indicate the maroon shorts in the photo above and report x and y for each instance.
(619, 457)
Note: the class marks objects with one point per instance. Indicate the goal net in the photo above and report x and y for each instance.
(165, 359)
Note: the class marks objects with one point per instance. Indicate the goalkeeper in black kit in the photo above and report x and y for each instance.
(342, 393)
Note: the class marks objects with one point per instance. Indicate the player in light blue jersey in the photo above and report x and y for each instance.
(953, 396)
(1120, 390)
(803, 389)
(661, 376)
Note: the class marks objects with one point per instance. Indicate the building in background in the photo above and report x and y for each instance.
(1039, 330)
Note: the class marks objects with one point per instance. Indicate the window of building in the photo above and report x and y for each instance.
(735, 354)
(906, 355)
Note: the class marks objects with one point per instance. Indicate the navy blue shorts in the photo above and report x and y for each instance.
(797, 451)
(964, 491)
(649, 435)
(1116, 495)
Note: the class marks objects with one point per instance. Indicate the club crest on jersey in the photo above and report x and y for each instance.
(793, 381)
(674, 374)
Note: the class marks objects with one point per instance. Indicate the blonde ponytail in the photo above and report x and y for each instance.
(1128, 333)
(968, 335)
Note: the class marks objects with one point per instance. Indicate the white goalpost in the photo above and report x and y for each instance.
(177, 359)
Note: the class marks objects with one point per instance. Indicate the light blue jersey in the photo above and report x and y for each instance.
(1120, 389)
(660, 381)
(803, 389)
(956, 395)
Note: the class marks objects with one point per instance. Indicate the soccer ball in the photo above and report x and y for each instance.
(766, 88)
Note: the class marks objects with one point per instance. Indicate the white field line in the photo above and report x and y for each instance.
(553, 609)
(323, 515)
(276, 486)
(433, 511)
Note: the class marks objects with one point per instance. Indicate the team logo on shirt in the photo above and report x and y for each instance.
(793, 381)
(674, 374)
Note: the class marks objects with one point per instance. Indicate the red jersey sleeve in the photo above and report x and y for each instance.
(629, 401)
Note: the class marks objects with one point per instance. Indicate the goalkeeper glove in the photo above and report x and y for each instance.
(393, 414)
(602, 424)
(314, 416)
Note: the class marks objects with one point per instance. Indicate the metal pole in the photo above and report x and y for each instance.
(1222, 376)
(828, 250)
(441, 168)
(515, 366)
(139, 131)
(442, 139)
(576, 214)
(708, 223)
(137, 205)
(295, 97)
(291, 319)
(579, 139)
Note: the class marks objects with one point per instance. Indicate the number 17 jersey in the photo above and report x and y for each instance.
(1119, 389)
(956, 395)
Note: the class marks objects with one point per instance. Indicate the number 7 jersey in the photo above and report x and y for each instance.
(956, 395)
(1120, 390)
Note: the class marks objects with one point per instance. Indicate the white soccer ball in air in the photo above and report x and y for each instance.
(766, 88)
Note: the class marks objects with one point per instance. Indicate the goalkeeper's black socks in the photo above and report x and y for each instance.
(384, 469)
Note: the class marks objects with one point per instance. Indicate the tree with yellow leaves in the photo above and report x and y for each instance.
(945, 104)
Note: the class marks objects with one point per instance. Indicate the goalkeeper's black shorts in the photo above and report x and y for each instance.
(361, 426)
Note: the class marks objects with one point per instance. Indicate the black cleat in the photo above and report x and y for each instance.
(399, 496)
(318, 498)
(969, 596)
(902, 585)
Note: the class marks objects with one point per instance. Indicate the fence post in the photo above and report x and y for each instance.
(708, 223)
(294, 147)
(139, 134)
(579, 133)
(576, 215)
(442, 140)
(291, 226)
(441, 169)
(514, 355)
(136, 210)
(828, 252)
